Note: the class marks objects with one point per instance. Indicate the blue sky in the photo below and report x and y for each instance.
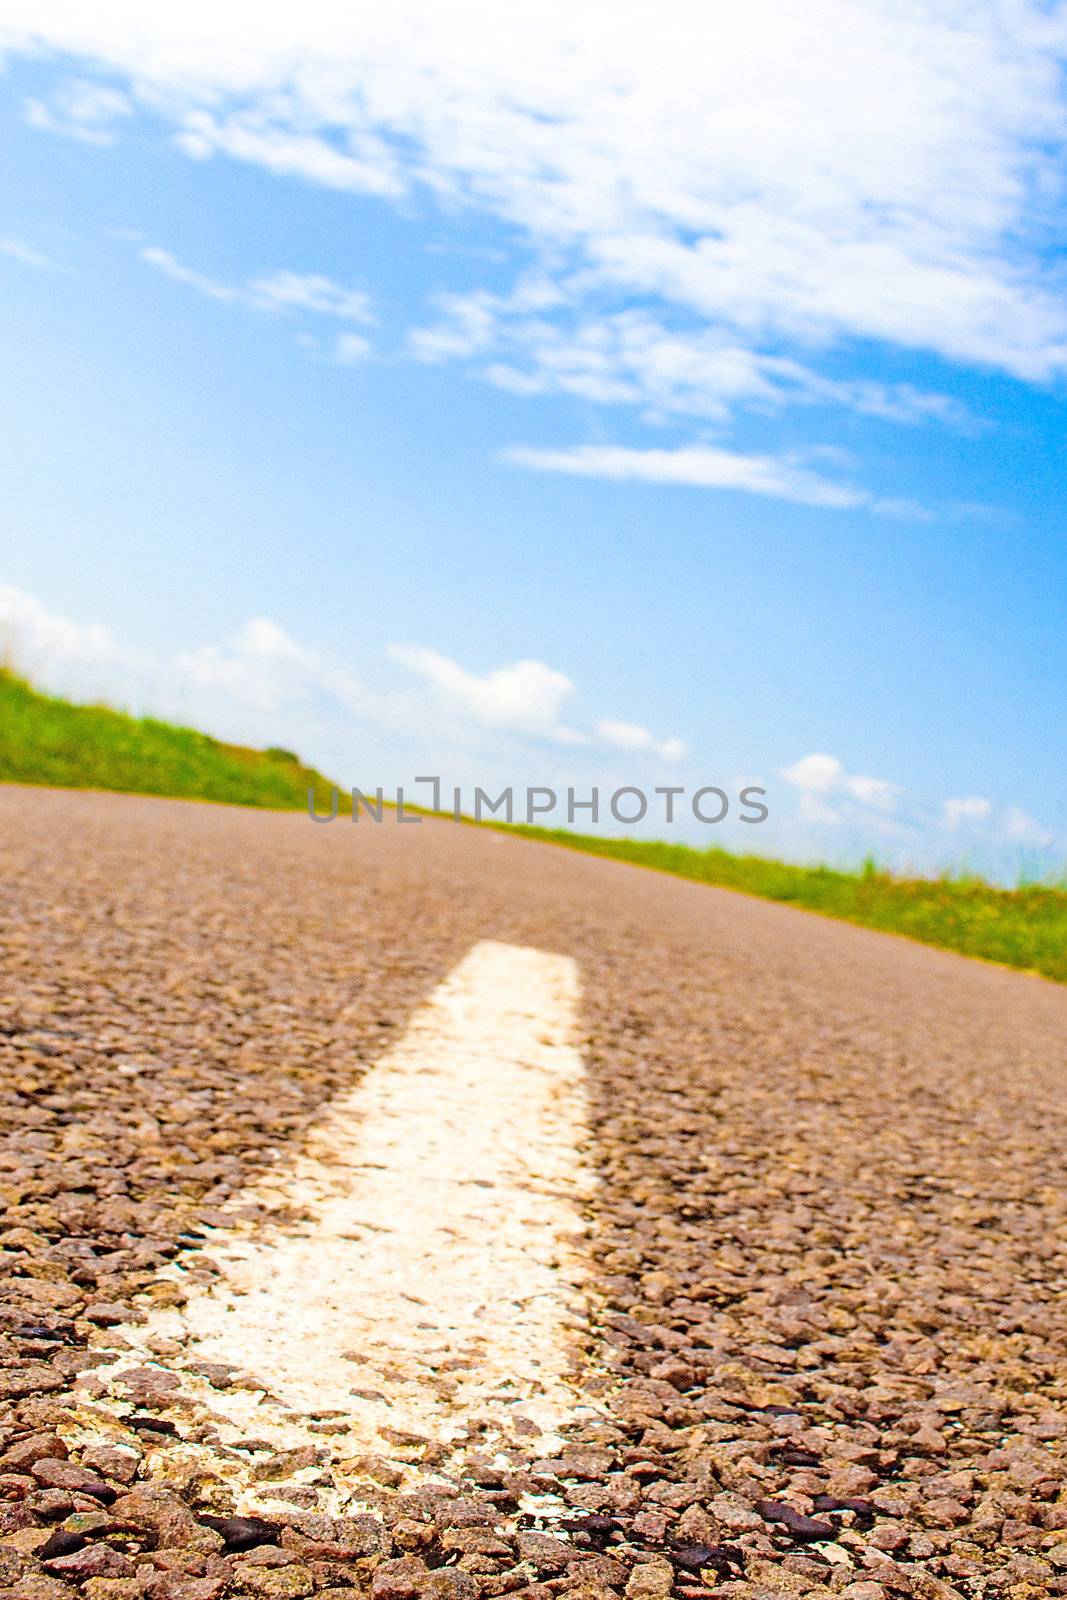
(543, 401)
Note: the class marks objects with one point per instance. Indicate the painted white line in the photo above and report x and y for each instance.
(437, 1277)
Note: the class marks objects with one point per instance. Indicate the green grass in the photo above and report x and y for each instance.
(1025, 927)
(46, 740)
(51, 741)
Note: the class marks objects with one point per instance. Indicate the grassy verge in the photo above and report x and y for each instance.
(47, 740)
(1024, 927)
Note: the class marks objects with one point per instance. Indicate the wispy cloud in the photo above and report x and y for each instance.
(267, 142)
(281, 293)
(676, 246)
(278, 291)
(167, 263)
(19, 250)
(975, 816)
(532, 342)
(894, 186)
(80, 110)
(310, 291)
(261, 667)
(704, 467)
(631, 736)
(350, 348)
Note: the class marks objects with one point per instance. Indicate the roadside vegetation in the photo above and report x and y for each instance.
(1024, 927)
(48, 740)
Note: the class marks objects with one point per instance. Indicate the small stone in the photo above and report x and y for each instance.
(696, 1527)
(95, 1561)
(652, 1580)
(163, 1513)
(113, 1461)
(274, 1583)
(287, 1462)
(449, 1583)
(399, 1580)
(30, 1378)
(61, 1542)
(694, 1557)
(544, 1553)
(677, 1373)
(650, 1525)
(888, 1536)
(175, 1586)
(61, 1474)
(38, 1586)
(87, 1522)
(19, 1457)
(800, 1526)
(114, 1589)
(243, 1533)
(107, 1313)
(377, 1468)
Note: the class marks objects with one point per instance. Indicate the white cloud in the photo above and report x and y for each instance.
(37, 639)
(967, 809)
(526, 697)
(80, 110)
(825, 786)
(1020, 828)
(291, 154)
(351, 348)
(18, 250)
(261, 667)
(633, 358)
(877, 792)
(274, 291)
(697, 466)
(278, 293)
(817, 774)
(264, 668)
(281, 683)
(1010, 822)
(844, 170)
(631, 736)
(282, 291)
(829, 795)
(469, 327)
(171, 267)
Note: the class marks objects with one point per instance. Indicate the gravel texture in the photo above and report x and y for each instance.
(828, 1236)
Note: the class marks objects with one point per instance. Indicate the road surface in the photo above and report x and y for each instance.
(424, 1211)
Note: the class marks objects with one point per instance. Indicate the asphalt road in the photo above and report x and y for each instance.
(826, 1240)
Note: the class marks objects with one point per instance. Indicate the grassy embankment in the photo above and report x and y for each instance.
(47, 740)
(52, 741)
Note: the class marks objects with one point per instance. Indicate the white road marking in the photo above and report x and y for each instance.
(437, 1278)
